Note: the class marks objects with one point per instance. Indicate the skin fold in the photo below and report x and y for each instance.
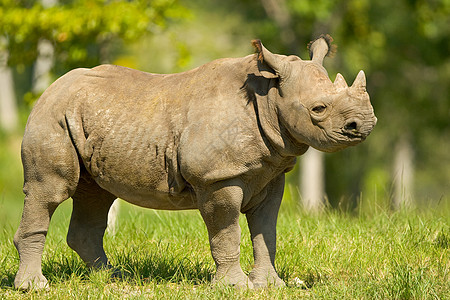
(218, 138)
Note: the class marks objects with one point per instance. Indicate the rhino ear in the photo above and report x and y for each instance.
(360, 82)
(339, 82)
(321, 47)
(281, 67)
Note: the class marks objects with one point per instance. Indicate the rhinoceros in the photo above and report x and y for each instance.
(218, 138)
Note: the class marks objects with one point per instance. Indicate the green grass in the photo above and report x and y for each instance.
(373, 254)
(165, 255)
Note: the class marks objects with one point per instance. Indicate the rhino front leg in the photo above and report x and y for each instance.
(262, 222)
(220, 208)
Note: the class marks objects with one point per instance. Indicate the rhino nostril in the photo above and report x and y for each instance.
(351, 126)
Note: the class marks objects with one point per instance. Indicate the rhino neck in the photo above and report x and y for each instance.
(269, 122)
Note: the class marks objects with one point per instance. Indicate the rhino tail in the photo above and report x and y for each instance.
(76, 133)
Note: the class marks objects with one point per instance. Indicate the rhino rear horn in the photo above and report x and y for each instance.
(321, 47)
(281, 66)
(360, 81)
(340, 82)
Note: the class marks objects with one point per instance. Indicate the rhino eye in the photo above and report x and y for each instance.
(319, 108)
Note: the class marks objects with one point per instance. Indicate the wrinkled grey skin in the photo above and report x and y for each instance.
(218, 138)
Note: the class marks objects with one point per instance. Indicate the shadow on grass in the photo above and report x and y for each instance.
(162, 267)
(156, 267)
(7, 280)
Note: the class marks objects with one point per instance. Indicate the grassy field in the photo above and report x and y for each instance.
(165, 255)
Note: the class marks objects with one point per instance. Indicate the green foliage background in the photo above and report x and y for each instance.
(83, 33)
(403, 47)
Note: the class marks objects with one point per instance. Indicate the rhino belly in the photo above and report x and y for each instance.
(146, 186)
(139, 168)
(150, 198)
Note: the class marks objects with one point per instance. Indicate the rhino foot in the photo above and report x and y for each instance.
(235, 278)
(265, 279)
(27, 281)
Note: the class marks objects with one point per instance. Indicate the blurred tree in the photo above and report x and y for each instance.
(404, 47)
(83, 33)
(74, 33)
(8, 108)
(44, 60)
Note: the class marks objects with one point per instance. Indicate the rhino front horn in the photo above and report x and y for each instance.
(360, 81)
(340, 82)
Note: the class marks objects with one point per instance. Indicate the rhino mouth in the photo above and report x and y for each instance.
(352, 135)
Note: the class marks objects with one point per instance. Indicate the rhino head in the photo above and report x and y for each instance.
(315, 111)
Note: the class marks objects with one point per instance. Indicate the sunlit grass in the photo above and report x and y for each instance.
(403, 255)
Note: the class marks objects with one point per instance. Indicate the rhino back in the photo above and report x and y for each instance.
(138, 132)
(143, 135)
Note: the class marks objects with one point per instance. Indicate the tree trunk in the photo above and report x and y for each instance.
(112, 217)
(277, 10)
(312, 181)
(44, 62)
(42, 67)
(8, 105)
(403, 175)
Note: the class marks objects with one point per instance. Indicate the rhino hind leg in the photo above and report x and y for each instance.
(51, 173)
(30, 239)
(262, 222)
(88, 223)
